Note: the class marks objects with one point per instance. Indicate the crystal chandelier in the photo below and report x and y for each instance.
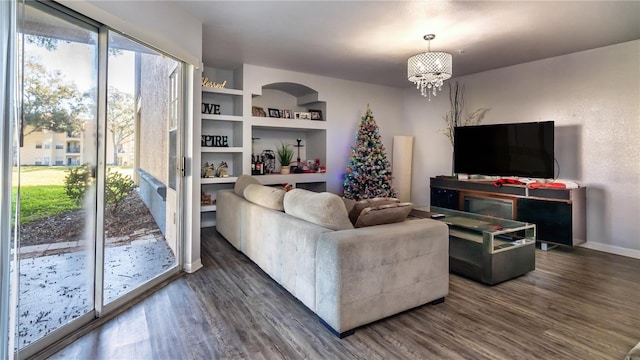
(428, 70)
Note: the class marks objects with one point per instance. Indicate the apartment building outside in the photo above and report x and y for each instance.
(50, 148)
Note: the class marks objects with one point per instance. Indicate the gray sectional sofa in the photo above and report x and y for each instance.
(347, 276)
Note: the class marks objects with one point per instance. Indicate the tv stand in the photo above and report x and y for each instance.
(559, 214)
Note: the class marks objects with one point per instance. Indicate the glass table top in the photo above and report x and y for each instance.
(477, 222)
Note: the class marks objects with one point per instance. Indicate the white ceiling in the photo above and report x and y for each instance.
(370, 41)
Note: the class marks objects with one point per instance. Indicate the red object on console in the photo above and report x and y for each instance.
(553, 185)
(501, 182)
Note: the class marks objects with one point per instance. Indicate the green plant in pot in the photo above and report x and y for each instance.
(284, 153)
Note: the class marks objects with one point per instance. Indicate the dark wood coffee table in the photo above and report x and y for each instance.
(484, 248)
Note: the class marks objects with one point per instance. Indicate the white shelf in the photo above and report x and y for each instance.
(222, 117)
(222, 91)
(217, 180)
(292, 124)
(207, 208)
(234, 149)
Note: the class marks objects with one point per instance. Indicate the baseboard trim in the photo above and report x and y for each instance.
(193, 267)
(612, 249)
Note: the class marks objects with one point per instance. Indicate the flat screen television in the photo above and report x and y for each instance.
(518, 149)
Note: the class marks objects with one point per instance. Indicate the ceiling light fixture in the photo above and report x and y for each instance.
(428, 70)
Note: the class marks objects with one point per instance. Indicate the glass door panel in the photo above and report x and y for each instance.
(140, 214)
(56, 172)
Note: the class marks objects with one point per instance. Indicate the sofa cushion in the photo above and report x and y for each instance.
(242, 182)
(324, 209)
(266, 196)
(383, 214)
(357, 208)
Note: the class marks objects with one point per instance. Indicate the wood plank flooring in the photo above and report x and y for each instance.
(577, 304)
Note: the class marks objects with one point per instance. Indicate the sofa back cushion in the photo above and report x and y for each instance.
(324, 209)
(267, 196)
(242, 182)
(383, 214)
(373, 202)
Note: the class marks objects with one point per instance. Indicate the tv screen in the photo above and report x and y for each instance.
(519, 149)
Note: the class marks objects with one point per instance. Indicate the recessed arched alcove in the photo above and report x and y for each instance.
(293, 96)
(294, 104)
(293, 89)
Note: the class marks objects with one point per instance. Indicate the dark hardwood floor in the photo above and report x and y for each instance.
(577, 304)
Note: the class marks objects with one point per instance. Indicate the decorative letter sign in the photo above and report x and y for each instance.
(210, 109)
(214, 141)
(213, 84)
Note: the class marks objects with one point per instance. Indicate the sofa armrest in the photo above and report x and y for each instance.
(366, 274)
(231, 217)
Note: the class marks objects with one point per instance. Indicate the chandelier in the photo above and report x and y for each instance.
(428, 70)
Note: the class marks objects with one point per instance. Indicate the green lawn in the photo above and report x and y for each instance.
(38, 202)
(52, 175)
(42, 191)
(40, 175)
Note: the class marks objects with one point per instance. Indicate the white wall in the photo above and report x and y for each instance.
(346, 104)
(594, 98)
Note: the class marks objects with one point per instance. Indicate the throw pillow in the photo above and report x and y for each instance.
(266, 196)
(349, 204)
(363, 204)
(242, 182)
(384, 214)
(324, 209)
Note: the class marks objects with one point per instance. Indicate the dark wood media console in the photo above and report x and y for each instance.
(559, 214)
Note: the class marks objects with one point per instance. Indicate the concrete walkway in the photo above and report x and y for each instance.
(142, 236)
(56, 280)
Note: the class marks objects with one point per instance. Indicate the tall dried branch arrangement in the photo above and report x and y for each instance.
(454, 117)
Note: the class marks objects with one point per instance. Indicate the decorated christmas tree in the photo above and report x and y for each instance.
(368, 171)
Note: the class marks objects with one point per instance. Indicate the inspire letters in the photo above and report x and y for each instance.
(214, 141)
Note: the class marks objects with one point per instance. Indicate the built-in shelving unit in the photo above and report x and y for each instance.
(222, 118)
(231, 117)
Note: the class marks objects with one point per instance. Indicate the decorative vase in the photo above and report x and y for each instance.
(285, 170)
(453, 159)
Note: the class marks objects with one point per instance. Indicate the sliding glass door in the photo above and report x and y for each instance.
(55, 173)
(139, 241)
(94, 174)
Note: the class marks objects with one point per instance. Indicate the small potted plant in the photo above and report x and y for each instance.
(285, 154)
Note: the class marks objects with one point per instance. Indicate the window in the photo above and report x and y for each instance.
(47, 161)
(59, 162)
(47, 146)
(174, 115)
(59, 147)
(38, 145)
(174, 98)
